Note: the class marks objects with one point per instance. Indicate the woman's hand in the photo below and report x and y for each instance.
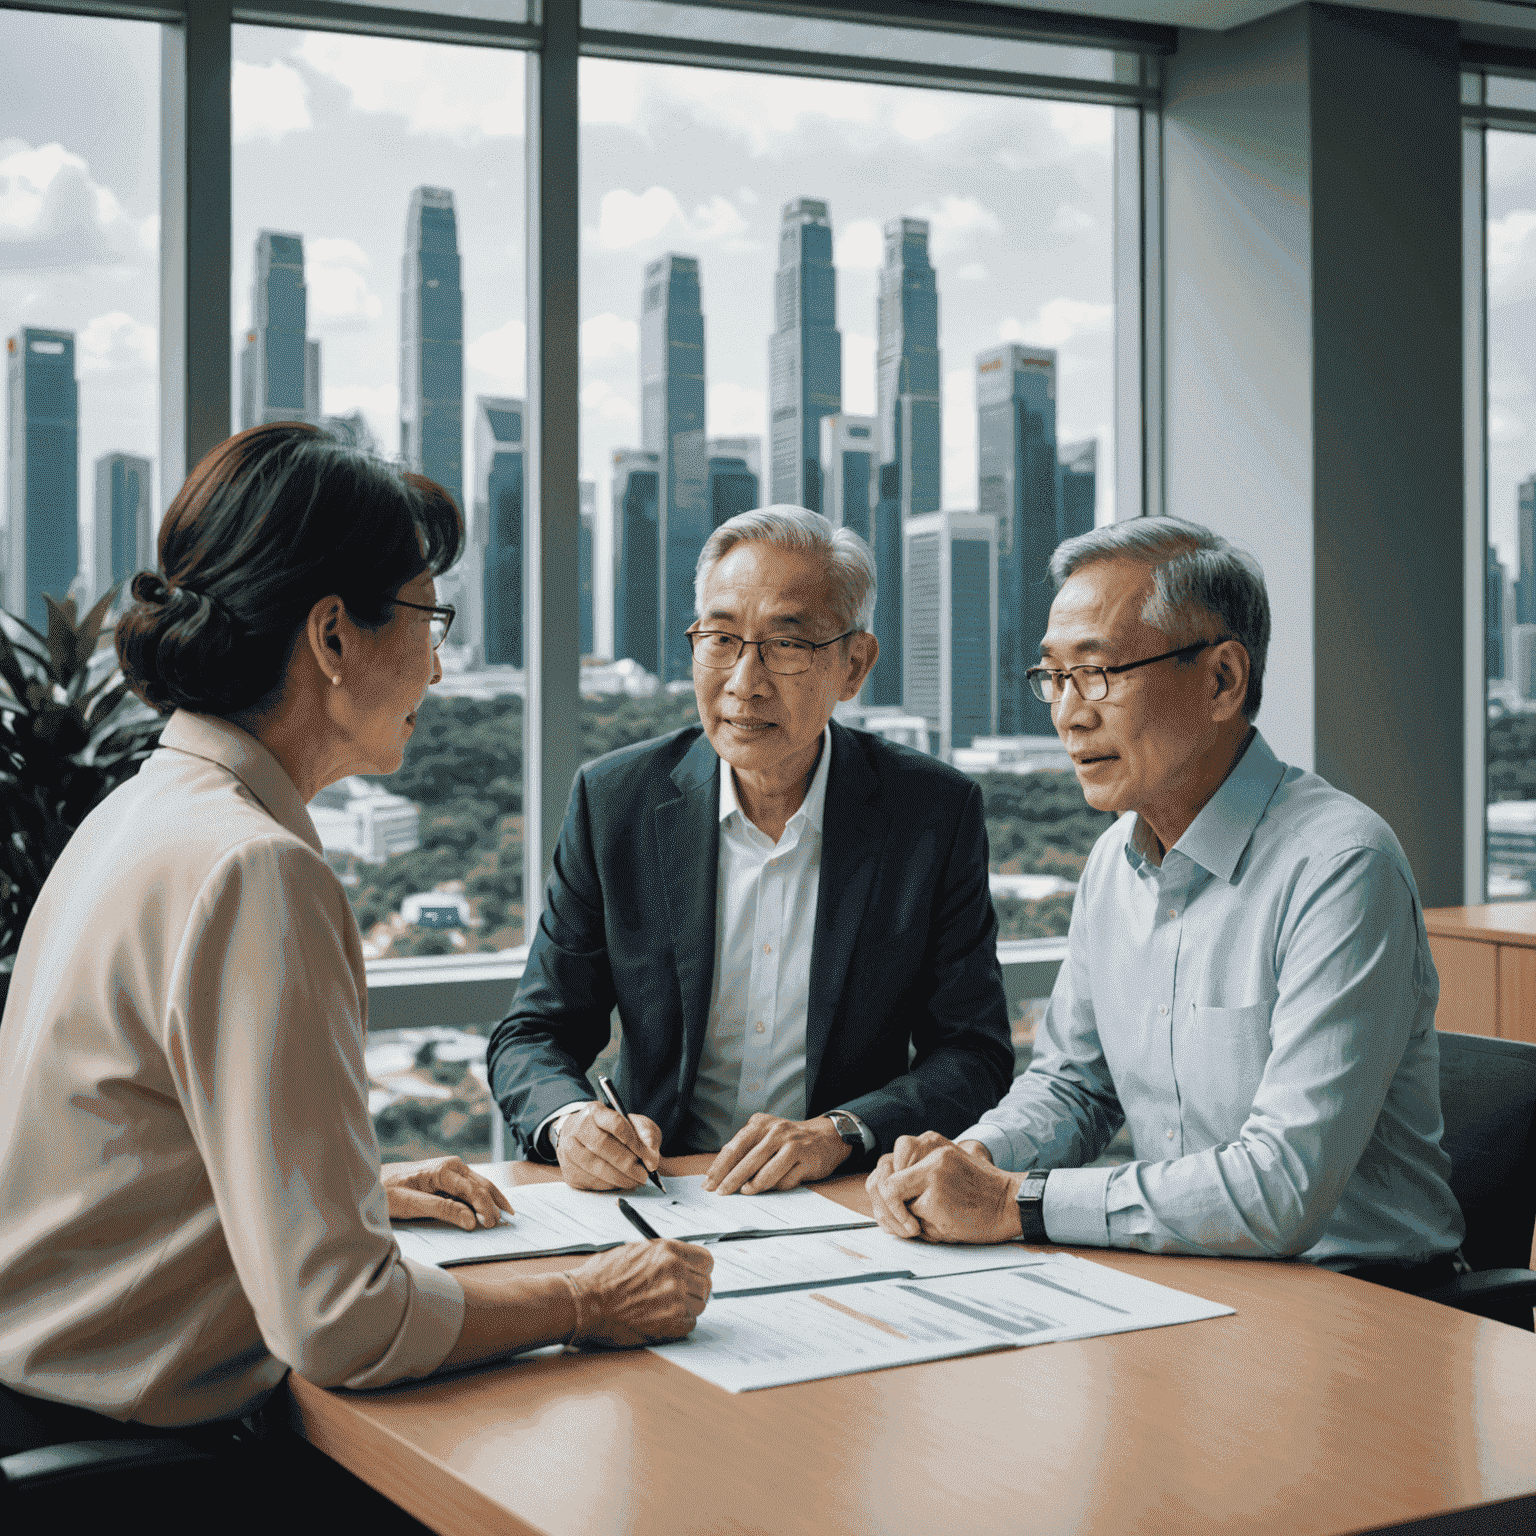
(445, 1188)
(640, 1293)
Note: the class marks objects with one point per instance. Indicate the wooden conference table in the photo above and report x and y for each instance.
(1325, 1405)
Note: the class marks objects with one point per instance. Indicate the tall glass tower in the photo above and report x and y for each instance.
(123, 526)
(805, 354)
(848, 445)
(432, 344)
(279, 365)
(636, 516)
(499, 526)
(911, 429)
(672, 427)
(1021, 485)
(42, 471)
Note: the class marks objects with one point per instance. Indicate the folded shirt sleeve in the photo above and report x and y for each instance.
(265, 1026)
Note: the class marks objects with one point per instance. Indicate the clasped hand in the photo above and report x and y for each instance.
(932, 1188)
(445, 1188)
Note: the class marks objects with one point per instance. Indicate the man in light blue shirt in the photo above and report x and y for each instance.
(1248, 981)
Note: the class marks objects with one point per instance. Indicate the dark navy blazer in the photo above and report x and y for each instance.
(907, 1025)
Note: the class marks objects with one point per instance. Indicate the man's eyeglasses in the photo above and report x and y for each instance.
(1048, 684)
(442, 618)
(715, 649)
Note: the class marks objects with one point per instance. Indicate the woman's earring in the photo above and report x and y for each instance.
(336, 681)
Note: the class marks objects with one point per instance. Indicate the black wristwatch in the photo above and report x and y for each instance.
(847, 1126)
(1031, 1202)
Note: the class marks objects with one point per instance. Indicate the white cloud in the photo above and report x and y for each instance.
(1506, 427)
(859, 245)
(605, 402)
(502, 355)
(116, 343)
(973, 272)
(734, 411)
(267, 101)
(459, 92)
(955, 222)
(339, 295)
(1511, 256)
(858, 374)
(610, 91)
(52, 214)
(627, 219)
(1070, 221)
(1083, 126)
(923, 117)
(1058, 322)
(608, 336)
(762, 109)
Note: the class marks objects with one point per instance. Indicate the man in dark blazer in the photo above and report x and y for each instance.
(792, 918)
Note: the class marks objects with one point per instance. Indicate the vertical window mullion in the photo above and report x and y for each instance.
(551, 645)
(1475, 410)
(195, 319)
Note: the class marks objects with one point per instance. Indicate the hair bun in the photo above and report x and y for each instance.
(150, 587)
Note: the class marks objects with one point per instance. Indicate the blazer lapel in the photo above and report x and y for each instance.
(688, 847)
(854, 830)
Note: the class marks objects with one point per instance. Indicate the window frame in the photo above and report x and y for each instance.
(196, 319)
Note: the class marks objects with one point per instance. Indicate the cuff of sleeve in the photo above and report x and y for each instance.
(541, 1146)
(1074, 1206)
(995, 1139)
(434, 1318)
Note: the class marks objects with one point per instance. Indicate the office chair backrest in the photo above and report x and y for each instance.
(1488, 1099)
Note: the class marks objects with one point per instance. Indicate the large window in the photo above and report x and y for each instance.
(906, 276)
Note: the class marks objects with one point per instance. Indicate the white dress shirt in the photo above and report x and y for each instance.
(1260, 1009)
(753, 1058)
(189, 1181)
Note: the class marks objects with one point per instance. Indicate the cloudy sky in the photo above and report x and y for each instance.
(333, 132)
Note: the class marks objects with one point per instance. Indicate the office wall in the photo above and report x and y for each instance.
(1314, 390)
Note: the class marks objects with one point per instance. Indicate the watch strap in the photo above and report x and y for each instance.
(1031, 1202)
(847, 1126)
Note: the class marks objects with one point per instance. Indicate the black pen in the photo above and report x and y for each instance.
(637, 1221)
(616, 1104)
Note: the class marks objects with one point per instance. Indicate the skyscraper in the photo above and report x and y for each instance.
(672, 427)
(805, 354)
(950, 643)
(432, 345)
(848, 463)
(585, 531)
(911, 430)
(123, 524)
(499, 527)
(732, 488)
(1079, 483)
(43, 471)
(1525, 535)
(279, 365)
(1020, 485)
(637, 517)
(1493, 617)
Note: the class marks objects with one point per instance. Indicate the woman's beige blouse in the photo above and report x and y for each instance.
(189, 1180)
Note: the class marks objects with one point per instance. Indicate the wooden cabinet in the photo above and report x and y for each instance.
(1486, 957)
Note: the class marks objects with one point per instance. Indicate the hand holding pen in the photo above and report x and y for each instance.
(598, 1146)
(609, 1092)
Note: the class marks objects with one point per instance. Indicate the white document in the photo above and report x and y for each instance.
(747, 1342)
(821, 1258)
(552, 1217)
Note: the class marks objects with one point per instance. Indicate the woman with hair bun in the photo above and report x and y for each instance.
(192, 1196)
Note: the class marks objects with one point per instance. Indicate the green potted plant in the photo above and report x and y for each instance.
(65, 743)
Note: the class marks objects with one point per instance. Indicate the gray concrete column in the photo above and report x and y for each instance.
(1313, 252)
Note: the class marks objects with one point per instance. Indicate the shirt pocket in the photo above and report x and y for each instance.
(1219, 1069)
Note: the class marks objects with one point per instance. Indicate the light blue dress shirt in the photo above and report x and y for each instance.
(1260, 1009)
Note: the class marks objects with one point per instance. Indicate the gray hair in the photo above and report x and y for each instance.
(850, 565)
(1195, 574)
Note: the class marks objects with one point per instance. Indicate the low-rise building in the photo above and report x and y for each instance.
(357, 819)
(1013, 754)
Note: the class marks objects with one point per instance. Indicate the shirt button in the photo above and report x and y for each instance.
(767, 949)
(1173, 911)
(1170, 1135)
(753, 1087)
(758, 1028)
(1161, 1009)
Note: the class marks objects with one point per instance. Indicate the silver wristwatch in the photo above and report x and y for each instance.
(847, 1126)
